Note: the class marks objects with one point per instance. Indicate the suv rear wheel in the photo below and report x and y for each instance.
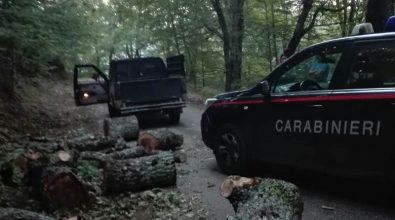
(230, 152)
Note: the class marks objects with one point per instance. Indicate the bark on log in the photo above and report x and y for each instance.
(90, 143)
(61, 188)
(161, 139)
(13, 168)
(20, 214)
(120, 145)
(256, 198)
(130, 153)
(125, 127)
(141, 173)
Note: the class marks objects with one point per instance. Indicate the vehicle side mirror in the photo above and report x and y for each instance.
(265, 89)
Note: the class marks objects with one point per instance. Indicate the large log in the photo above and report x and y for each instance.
(161, 139)
(130, 153)
(61, 188)
(140, 173)
(125, 127)
(20, 214)
(256, 198)
(91, 143)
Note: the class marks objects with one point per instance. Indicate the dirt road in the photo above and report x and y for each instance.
(321, 201)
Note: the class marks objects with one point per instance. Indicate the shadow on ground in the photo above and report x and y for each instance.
(154, 120)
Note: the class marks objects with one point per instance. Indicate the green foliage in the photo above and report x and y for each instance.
(88, 171)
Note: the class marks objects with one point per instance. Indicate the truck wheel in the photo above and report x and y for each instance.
(174, 116)
(230, 152)
(113, 112)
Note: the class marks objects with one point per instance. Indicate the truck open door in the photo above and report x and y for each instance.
(90, 85)
(175, 66)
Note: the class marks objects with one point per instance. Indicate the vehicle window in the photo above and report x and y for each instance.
(313, 73)
(373, 66)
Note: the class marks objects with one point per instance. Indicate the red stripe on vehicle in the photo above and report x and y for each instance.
(339, 97)
(342, 97)
(300, 99)
(245, 102)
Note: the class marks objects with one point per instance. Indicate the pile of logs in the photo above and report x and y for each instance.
(257, 198)
(70, 174)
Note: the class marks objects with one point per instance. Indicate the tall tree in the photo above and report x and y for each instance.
(232, 36)
(301, 29)
(377, 13)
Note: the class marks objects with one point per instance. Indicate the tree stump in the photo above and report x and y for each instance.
(125, 127)
(256, 198)
(140, 173)
(61, 188)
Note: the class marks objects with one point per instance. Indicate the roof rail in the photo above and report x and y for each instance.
(361, 29)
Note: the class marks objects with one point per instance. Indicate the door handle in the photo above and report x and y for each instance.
(316, 106)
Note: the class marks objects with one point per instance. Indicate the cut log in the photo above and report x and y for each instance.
(125, 127)
(161, 139)
(91, 143)
(130, 153)
(120, 145)
(14, 167)
(140, 173)
(61, 188)
(20, 214)
(61, 158)
(256, 198)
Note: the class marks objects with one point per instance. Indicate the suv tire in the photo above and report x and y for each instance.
(230, 153)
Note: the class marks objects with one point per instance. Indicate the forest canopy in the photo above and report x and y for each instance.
(241, 38)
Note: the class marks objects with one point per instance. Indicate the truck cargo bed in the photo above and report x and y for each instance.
(151, 91)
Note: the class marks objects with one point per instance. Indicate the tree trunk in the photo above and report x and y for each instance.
(378, 11)
(232, 36)
(300, 29)
(256, 198)
(20, 214)
(141, 173)
(352, 16)
(268, 38)
(273, 28)
(236, 40)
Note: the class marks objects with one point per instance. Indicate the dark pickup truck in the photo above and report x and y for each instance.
(134, 86)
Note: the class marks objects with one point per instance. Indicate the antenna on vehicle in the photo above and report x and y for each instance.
(361, 29)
